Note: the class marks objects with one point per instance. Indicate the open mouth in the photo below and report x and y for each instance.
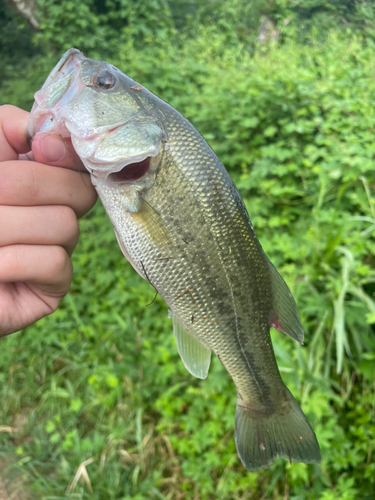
(131, 172)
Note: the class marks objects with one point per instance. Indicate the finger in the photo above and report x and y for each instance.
(23, 304)
(28, 183)
(48, 225)
(57, 151)
(13, 138)
(49, 267)
(27, 156)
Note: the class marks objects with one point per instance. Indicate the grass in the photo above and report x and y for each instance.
(96, 403)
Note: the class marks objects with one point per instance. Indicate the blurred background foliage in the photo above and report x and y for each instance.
(95, 401)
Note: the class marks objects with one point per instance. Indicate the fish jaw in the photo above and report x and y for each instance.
(128, 145)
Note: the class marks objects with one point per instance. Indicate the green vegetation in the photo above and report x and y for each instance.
(294, 122)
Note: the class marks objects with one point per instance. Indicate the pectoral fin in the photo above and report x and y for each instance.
(154, 226)
(284, 315)
(195, 356)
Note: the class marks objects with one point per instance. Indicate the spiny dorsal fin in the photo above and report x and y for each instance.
(195, 356)
(284, 315)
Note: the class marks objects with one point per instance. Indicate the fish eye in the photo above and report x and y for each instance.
(104, 80)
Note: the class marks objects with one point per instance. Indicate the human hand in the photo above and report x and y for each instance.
(39, 207)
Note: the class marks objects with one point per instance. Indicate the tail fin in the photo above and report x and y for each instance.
(260, 438)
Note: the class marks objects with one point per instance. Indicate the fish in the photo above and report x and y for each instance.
(181, 223)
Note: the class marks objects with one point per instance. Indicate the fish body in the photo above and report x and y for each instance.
(183, 226)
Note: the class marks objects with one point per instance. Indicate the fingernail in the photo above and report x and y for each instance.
(53, 148)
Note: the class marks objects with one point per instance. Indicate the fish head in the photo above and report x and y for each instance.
(108, 116)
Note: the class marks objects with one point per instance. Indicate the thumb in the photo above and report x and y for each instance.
(56, 151)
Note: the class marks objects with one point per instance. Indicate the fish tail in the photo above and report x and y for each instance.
(284, 432)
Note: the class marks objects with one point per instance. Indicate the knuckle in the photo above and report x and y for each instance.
(89, 195)
(70, 223)
(60, 262)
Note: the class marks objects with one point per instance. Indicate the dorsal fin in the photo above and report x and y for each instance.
(284, 315)
(195, 356)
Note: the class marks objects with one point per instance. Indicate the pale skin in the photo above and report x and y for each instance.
(40, 202)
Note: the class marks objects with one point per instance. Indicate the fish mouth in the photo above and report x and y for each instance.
(57, 86)
(131, 172)
(123, 154)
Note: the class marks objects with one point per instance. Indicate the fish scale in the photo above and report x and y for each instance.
(183, 226)
(186, 269)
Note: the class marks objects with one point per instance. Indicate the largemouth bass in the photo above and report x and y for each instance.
(183, 226)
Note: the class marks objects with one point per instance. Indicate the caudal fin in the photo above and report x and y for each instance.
(286, 432)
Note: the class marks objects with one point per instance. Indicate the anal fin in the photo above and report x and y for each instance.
(195, 356)
(284, 315)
